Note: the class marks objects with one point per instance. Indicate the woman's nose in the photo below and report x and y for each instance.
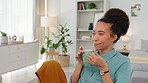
(94, 38)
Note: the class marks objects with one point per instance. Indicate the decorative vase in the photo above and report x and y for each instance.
(3, 40)
(14, 38)
(90, 26)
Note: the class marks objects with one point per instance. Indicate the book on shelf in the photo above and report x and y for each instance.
(83, 30)
(81, 6)
(84, 6)
(86, 37)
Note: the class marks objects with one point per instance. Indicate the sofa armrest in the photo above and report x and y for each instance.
(139, 67)
(139, 77)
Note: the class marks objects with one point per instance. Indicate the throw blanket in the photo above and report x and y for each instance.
(51, 72)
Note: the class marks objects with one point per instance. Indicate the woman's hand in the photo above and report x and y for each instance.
(96, 60)
(79, 55)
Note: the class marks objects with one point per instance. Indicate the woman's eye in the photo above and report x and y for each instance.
(101, 34)
(93, 33)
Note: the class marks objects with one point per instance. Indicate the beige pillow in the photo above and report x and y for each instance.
(144, 45)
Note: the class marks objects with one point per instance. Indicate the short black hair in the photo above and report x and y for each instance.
(119, 21)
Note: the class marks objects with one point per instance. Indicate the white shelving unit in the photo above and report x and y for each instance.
(86, 16)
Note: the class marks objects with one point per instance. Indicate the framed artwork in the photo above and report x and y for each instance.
(135, 10)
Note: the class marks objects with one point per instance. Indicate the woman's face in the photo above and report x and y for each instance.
(102, 38)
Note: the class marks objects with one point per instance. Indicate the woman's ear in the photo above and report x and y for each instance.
(114, 38)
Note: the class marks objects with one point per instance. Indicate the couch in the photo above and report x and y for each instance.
(139, 60)
(139, 73)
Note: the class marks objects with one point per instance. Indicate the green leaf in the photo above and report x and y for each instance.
(42, 50)
(62, 33)
(49, 42)
(3, 33)
(55, 46)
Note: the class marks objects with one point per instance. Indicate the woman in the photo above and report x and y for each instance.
(109, 66)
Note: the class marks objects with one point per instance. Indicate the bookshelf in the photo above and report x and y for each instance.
(85, 16)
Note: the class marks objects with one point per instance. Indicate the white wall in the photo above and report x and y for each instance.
(68, 15)
(138, 28)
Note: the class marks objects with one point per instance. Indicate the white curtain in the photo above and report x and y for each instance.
(19, 15)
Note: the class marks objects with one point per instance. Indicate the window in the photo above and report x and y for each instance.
(17, 18)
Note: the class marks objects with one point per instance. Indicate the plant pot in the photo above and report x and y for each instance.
(64, 60)
(3, 40)
(51, 49)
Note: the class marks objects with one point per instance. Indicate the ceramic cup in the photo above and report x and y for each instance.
(85, 55)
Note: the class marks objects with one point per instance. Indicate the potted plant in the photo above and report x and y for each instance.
(50, 46)
(63, 34)
(3, 38)
(91, 6)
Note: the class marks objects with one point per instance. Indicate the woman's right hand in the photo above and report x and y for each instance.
(79, 55)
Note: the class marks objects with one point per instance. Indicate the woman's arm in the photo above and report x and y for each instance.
(106, 76)
(76, 74)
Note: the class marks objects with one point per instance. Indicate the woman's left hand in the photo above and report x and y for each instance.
(96, 60)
